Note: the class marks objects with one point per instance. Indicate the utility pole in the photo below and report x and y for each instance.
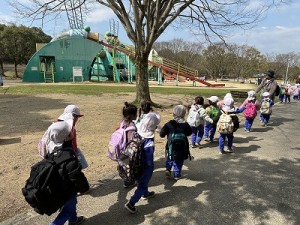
(286, 74)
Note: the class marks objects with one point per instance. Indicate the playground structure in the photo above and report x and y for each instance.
(80, 54)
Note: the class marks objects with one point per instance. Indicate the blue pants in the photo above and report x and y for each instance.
(222, 139)
(287, 98)
(281, 97)
(248, 124)
(296, 97)
(197, 134)
(67, 212)
(143, 182)
(177, 166)
(265, 118)
(210, 130)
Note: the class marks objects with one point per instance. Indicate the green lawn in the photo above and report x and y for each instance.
(100, 89)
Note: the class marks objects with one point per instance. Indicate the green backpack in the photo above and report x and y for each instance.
(214, 112)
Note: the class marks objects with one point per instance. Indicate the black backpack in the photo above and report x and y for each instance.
(48, 187)
(178, 148)
(130, 161)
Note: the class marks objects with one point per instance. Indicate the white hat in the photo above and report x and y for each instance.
(251, 95)
(214, 99)
(228, 95)
(228, 101)
(57, 134)
(149, 124)
(228, 104)
(69, 113)
(266, 94)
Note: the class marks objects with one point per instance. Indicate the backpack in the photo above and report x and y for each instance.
(225, 124)
(48, 188)
(250, 111)
(178, 149)
(193, 118)
(130, 164)
(277, 90)
(214, 112)
(118, 141)
(265, 108)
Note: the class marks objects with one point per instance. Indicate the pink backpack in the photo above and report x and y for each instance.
(118, 141)
(250, 111)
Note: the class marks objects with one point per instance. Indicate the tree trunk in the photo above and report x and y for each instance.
(142, 85)
(16, 69)
(1, 68)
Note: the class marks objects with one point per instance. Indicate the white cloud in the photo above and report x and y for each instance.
(100, 14)
(6, 19)
(277, 39)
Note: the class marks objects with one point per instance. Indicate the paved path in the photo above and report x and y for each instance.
(258, 184)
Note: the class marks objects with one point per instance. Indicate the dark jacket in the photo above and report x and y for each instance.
(72, 171)
(268, 86)
(171, 125)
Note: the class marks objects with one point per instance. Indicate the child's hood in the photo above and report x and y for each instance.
(195, 107)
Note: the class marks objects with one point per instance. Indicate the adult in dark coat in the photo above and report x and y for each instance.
(268, 84)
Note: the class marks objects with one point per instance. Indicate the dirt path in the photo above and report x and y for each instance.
(25, 118)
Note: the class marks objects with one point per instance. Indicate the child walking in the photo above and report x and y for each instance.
(146, 131)
(177, 146)
(282, 93)
(295, 93)
(144, 109)
(250, 107)
(59, 135)
(227, 123)
(129, 114)
(212, 111)
(196, 117)
(266, 109)
(288, 91)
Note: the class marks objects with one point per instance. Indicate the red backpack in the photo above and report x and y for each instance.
(250, 111)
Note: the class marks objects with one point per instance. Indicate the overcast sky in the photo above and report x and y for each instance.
(278, 33)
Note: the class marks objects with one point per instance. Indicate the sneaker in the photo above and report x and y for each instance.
(194, 146)
(129, 184)
(221, 152)
(130, 207)
(79, 220)
(150, 194)
(177, 177)
(206, 139)
(262, 123)
(229, 150)
(248, 131)
(168, 173)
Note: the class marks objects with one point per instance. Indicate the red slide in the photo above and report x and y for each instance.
(165, 68)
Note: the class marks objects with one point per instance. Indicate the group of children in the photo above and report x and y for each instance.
(288, 90)
(221, 110)
(204, 120)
